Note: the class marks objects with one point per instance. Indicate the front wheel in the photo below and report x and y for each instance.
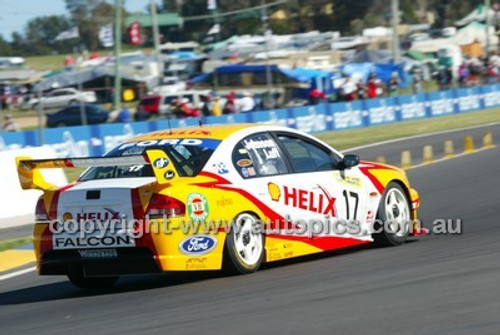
(77, 278)
(393, 217)
(245, 244)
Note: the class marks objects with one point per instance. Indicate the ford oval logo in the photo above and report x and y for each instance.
(197, 245)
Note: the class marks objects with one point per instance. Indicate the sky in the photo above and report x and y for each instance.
(14, 14)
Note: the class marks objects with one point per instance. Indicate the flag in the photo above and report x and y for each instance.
(134, 33)
(106, 36)
(68, 34)
(212, 4)
(214, 30)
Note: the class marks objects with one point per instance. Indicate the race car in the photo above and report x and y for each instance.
(209, 198)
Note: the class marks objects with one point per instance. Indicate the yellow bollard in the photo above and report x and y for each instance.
(468, 144)
(488, 140)
(381, 159)
(406, 159)
(448, 149)
(428, 154)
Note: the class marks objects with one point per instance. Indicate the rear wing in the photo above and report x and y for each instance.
(28, 169)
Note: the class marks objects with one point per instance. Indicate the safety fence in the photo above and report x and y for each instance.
(95, 140)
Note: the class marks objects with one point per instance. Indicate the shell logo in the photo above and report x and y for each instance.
(67, 216)
(274, 191)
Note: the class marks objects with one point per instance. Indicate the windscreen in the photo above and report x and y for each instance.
(189, 156)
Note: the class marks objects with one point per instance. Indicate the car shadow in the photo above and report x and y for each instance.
(65, 290)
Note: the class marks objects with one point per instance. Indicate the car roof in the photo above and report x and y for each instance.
(186, 92)
(217, 132)
(151, 96)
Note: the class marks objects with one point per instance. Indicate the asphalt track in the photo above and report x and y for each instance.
(392, 151)
(440, 284)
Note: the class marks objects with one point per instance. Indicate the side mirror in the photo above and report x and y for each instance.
(349, 161)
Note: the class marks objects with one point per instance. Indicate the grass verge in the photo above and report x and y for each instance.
(72, 174)
(345, 139)
(12, 243)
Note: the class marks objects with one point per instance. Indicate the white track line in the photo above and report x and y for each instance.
(421, 136)
(17, 273)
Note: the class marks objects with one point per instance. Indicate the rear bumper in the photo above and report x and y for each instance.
(128, 261)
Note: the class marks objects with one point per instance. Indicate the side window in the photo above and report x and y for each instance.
(258, 156)
(147, 102)
(190, 97)
(168, 100)
(306, 156)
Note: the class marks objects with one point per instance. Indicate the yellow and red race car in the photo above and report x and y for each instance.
(205, 198)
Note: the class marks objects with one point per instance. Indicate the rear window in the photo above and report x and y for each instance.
(189, 156)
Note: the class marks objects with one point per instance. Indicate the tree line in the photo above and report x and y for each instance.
(346, 16)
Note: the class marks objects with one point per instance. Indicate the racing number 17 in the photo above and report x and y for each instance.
(347, 197)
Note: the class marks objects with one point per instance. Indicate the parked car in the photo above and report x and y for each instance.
(71, 116)
(193, 96)
(11, 95)
(160, 103)
(61, 97)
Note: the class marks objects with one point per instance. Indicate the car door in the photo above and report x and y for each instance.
(290, 203)
(64, 97)
(95, 115)
(319, 188)
(73, 116)
(50, 99)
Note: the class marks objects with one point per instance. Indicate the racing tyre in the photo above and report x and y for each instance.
(244, 245)
(394, 215)
(96, 283)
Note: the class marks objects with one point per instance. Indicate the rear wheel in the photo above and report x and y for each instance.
(393, 216)
(96, 283)
(245, 244)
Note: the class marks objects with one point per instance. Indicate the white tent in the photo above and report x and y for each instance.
(474, 31)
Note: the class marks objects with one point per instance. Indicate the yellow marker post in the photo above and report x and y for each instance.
(488, 140)
(381, 159)
(428, 154)
(468, 144)
(406, 159)
(449, 151)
